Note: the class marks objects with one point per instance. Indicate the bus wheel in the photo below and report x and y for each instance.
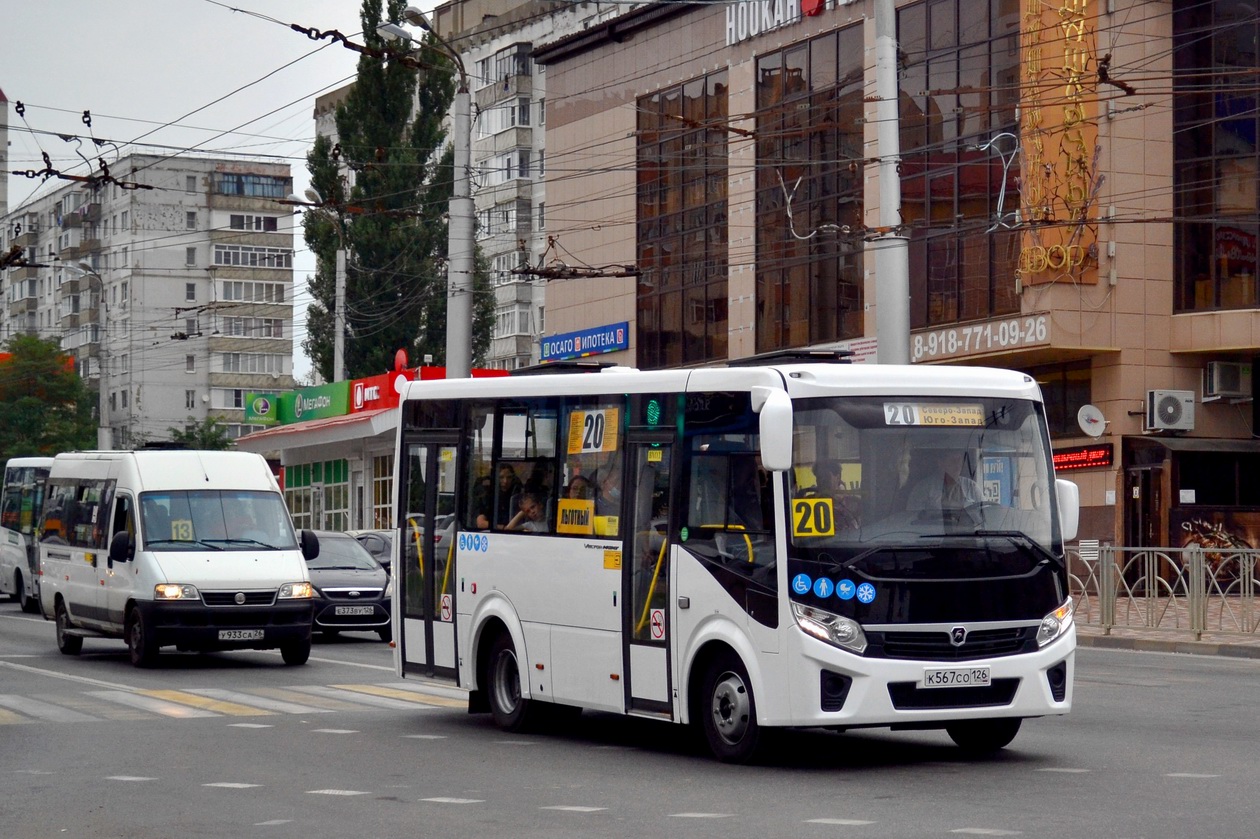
(728, 712)
(29, 604)
(296, 652)
(140, 641)
(68, 644)
(983, 737)
(510, 710)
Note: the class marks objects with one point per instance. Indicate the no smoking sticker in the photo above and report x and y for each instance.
(658, 624)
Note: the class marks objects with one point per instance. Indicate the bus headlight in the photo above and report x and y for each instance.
(175, 591)
(843, 632)
(1055, 624)
(296, 591)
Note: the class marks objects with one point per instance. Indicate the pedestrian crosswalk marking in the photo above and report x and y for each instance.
(152, 704)
(41, 710)
(9, 718)
(404, 695)
(277, 705)
(218, 706)
(341, 692)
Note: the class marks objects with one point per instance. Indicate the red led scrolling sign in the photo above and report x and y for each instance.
(1083, 457)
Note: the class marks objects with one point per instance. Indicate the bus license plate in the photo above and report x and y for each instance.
(353, 610)
(956, 677)
(240, 634)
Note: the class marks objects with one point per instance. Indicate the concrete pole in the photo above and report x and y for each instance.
(460, 246)
(891, 250)
(339, 318)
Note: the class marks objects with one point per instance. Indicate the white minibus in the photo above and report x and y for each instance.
(20, 506)
(191, 549)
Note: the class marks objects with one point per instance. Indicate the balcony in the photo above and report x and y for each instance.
(70, 320)
(29, 236)
(81, 250)
(511, 87)
(22, 306)
(71, 285)
(24, 272)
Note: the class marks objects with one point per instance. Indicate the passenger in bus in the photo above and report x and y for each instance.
(509, 487)
(482, 505)
(829, 484)
(580, 488)
(944, 481)
(532, 517)
(608, 498)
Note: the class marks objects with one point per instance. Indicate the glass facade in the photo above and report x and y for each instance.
(1215, 154)
(959, 84)
(682, 224)
(809, 191)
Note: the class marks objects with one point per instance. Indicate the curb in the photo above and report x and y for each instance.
(1168, 645)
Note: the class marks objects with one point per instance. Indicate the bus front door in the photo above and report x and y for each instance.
(647, 580)
(425, 590)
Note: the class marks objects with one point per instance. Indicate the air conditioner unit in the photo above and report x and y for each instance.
(1170, 410)
(1229, 379)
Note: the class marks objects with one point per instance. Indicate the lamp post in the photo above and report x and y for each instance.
(315, 200)
(104, 433)
(460, 230)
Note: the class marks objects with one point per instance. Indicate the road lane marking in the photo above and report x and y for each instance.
(1066, 770)
(25, 668)
(847, 822)
(151, 704)
(218, 706)
(42, 710)
(1189, 775)
(700, 815)
(334, 731)
(336, 792)
(574, 809)
(272, 823)
(230, 785)
(985, 831)
(128, 778)
(425, 736)
(250, 725)
(455, 800)
(279, 706)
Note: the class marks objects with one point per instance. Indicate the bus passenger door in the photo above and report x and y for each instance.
(425, 588)
(647, 580)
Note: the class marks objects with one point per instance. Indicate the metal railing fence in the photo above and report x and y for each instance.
(1191, 588)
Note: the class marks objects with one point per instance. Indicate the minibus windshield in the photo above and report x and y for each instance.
(215, 520)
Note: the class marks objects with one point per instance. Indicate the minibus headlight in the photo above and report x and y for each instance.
(175, 591)
(296, 591)
(1055, 624)
(843, 632)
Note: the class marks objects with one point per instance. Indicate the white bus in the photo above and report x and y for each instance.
(21, 503)
(756, 546)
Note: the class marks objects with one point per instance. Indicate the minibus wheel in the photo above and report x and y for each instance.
(728, 712)
(510, 710)
(140, 641)
(984, 737)
(296, 652)
(68, 644)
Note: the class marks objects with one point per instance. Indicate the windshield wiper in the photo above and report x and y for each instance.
(243, 542)
(203, 543)
(1019, 537)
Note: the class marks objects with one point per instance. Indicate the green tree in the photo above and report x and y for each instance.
(209, 434)
(44, 406)
(391, 222)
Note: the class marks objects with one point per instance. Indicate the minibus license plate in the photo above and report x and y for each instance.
(956, 677)
(353, 610)
(240, 634)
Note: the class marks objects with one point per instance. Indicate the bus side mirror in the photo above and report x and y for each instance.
(310, 544)
(1069, 507)
(122, 548)
(774, 409)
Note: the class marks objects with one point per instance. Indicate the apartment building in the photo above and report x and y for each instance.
(1077, 187)
(170, 282)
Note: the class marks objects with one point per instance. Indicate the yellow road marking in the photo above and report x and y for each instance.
(312, 699)
(217, 705)
(9, 718)
(404, 695)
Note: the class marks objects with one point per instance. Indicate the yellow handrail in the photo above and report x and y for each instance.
(647, 601)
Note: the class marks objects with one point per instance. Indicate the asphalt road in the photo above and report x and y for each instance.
(239, 745)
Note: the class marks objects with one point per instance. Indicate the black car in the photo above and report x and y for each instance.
(379, 543)
(352, 590)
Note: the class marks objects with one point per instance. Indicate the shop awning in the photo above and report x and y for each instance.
(321, 431)
(1200, 444)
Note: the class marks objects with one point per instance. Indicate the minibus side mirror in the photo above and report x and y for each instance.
(774, 409)
(1069, 507)
(310, 544)
(122, 548)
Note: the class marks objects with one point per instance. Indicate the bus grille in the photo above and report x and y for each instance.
(936, 646)
(908, 696)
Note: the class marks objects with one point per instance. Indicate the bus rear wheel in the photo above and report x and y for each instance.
(29, 604)
(68, 644)
(511, 710)
(984, 737)
(728, 712)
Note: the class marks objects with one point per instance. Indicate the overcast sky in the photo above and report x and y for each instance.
(175, 74)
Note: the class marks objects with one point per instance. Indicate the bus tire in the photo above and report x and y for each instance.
(66, 643)
(16, 596)
(296, 652)
(29, 604)
(141, 645)
(984, 737)
(511, 710)
(728, 711)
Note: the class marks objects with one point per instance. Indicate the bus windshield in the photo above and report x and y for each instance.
(215, 520)
(921, 487)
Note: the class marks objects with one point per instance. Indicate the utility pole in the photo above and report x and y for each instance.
(891, 250)
(339, 313)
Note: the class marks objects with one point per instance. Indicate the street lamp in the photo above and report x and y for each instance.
(104, 434)
(315, 200)
(460, 243)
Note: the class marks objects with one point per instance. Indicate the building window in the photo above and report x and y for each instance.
(247, 292)
(256, 186)
(190, 399)
(252, 257)
(1064, 388)
(190, 364)
(190, 183)
(681, 230)
(190, 291)
(1216, 156)
(959, 88)
(263, 224)
(190, 220)
(190, 256)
